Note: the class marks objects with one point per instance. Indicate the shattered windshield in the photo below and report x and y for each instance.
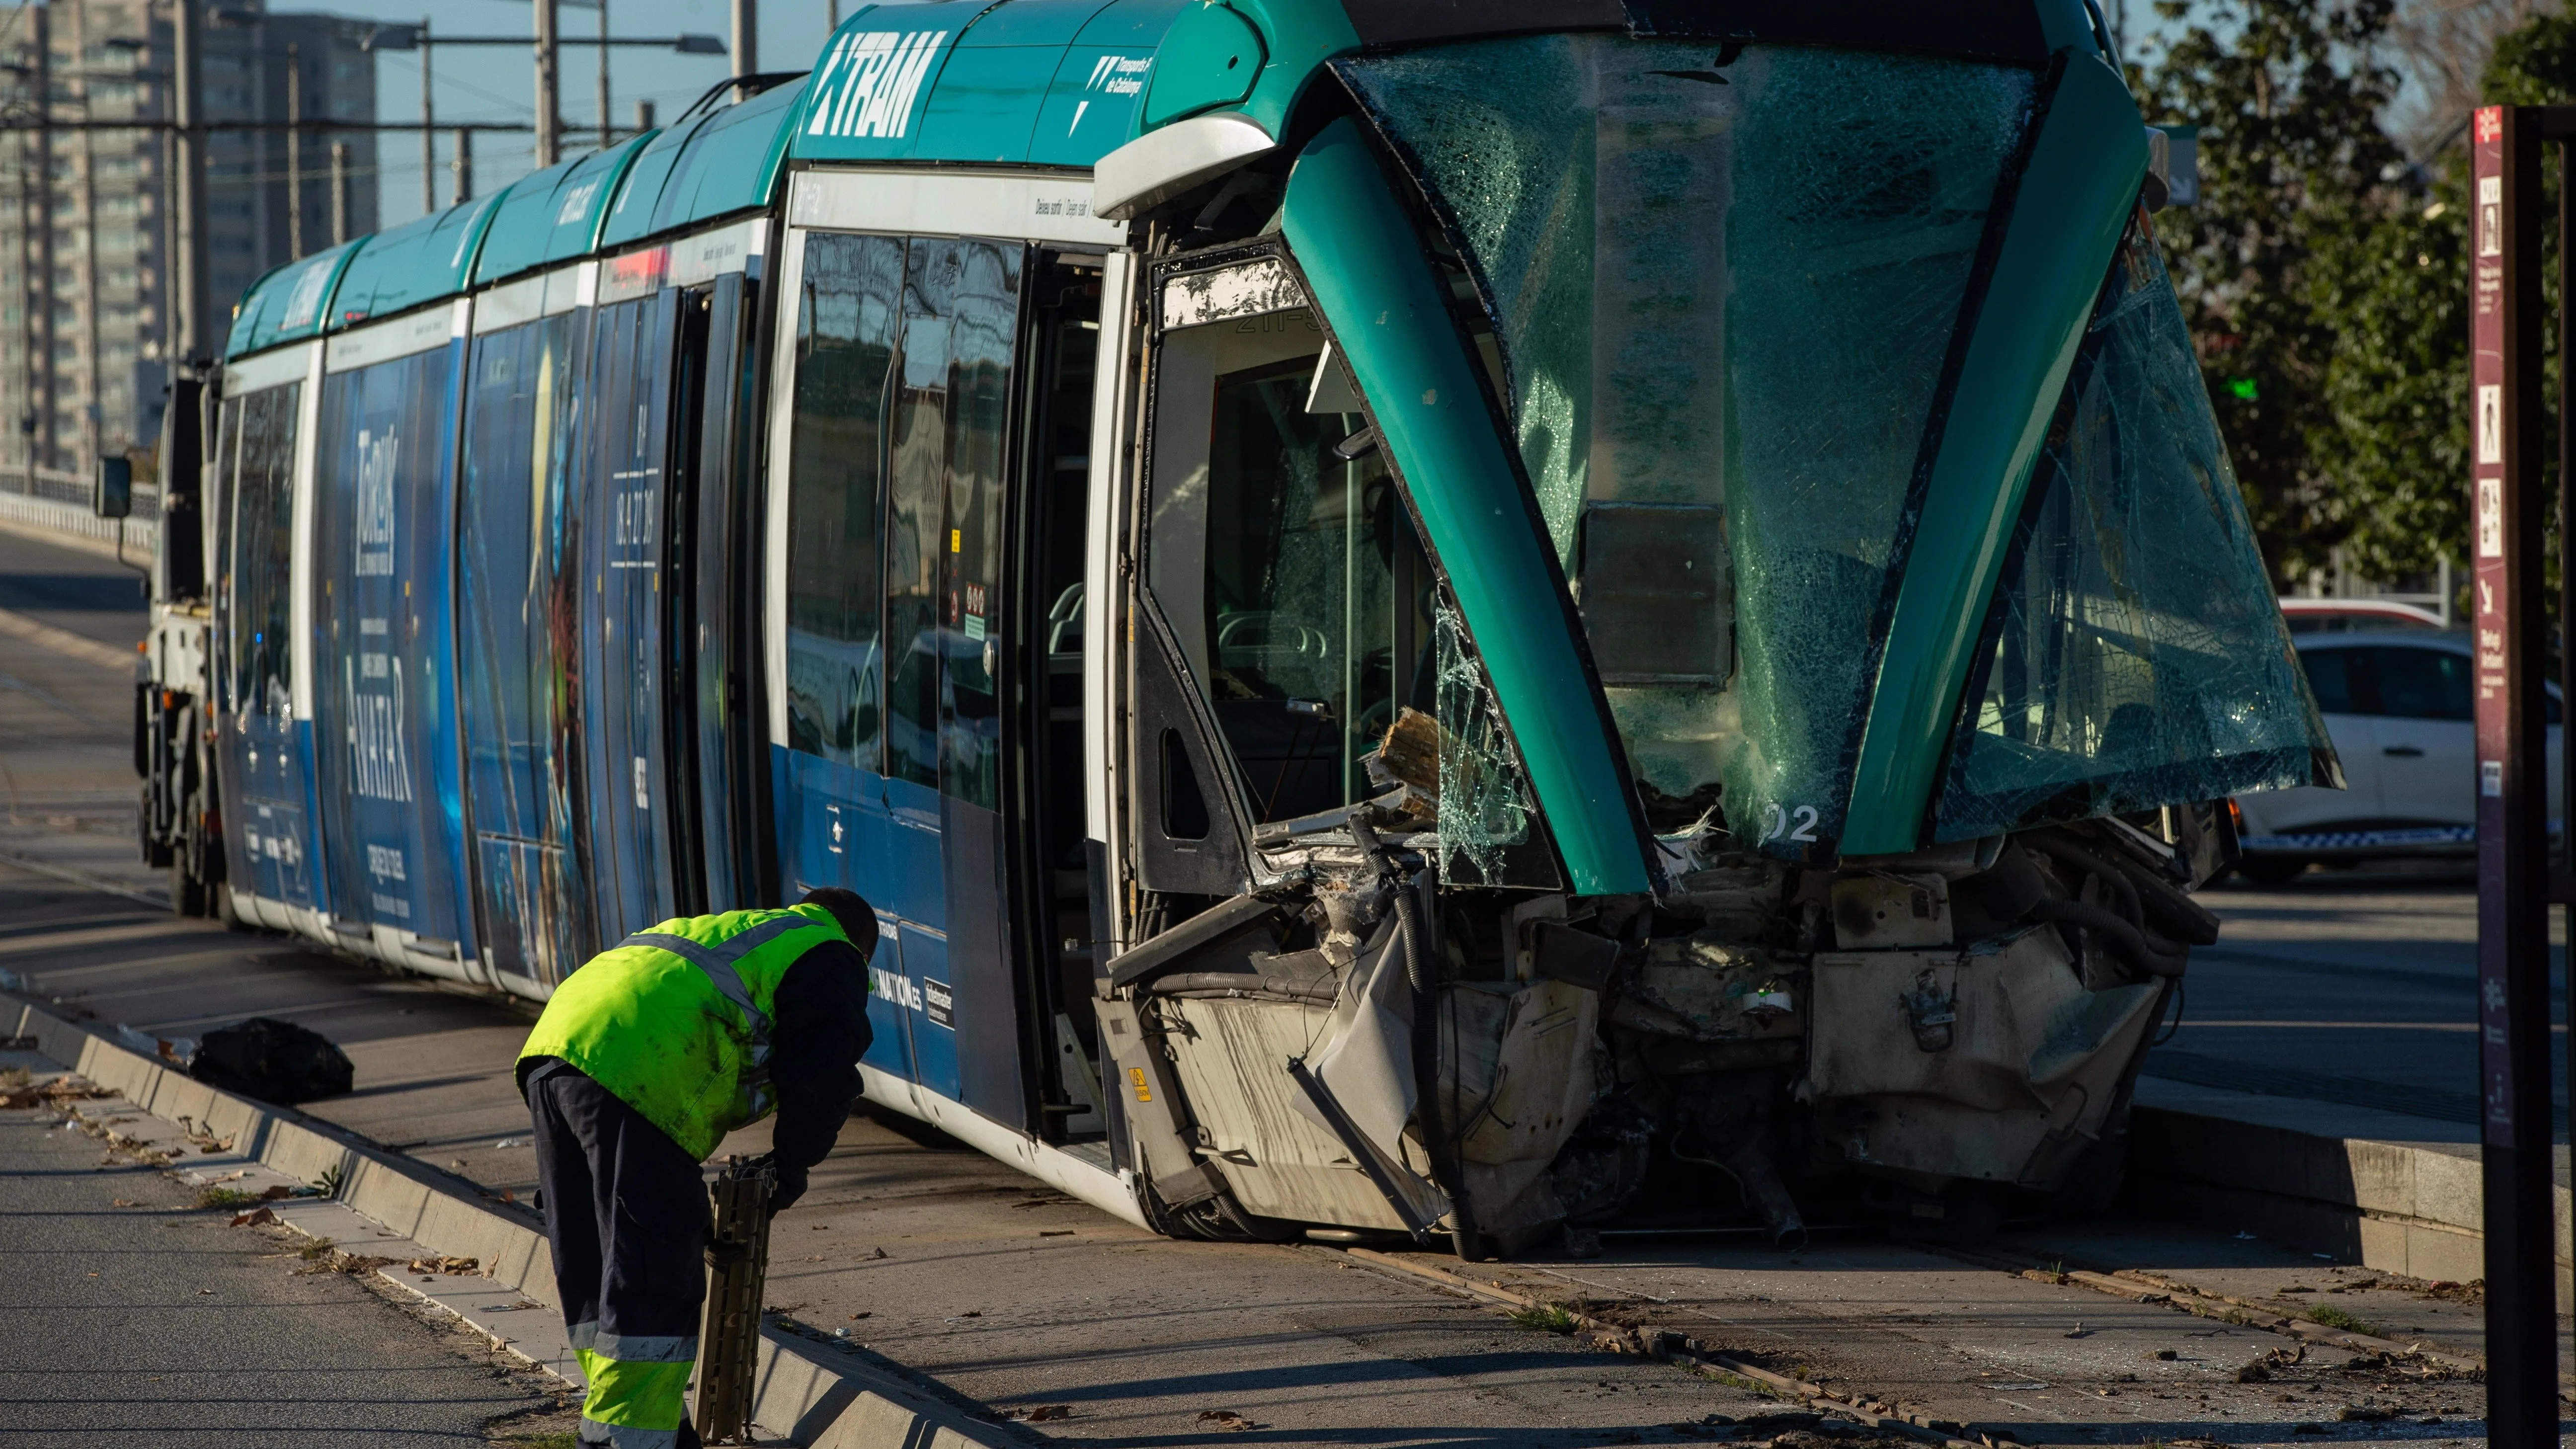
(1722, 283)
(2139, 659)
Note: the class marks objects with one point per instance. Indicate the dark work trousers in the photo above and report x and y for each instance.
(626, 1214)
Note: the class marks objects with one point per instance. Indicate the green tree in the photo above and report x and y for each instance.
(2395, 290)
(2288, 96)
(2394, 441)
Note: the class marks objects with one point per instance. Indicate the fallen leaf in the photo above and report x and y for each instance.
(253, 1218)
(1225, 1419)
(446, 1264)
(126, 1202)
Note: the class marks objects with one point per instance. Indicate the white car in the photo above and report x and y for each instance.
(2400, 707)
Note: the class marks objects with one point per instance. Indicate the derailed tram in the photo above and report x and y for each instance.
(1416, 622)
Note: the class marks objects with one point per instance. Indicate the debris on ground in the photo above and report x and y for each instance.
(340, 1260)
(2261, 1368)
(448, 1263)
(272, 1060)
(27, 1093)
(254, 1218)
(176, 1050)
(1040, 1413)
(1224, 1419)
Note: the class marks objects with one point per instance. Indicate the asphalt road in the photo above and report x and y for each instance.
(2353, 987)
(157, 1324)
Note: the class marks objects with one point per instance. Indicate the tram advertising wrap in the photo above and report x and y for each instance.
(1416, 625)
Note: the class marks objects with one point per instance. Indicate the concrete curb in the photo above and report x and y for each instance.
(2347, 1182)
(820, 1396)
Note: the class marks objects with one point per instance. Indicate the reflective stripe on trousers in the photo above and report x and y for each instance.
(634, 1347)
(636, 1403)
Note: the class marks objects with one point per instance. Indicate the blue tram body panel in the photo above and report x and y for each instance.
(386, 770)
(839, 838)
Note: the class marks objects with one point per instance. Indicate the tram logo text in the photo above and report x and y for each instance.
(869, 82)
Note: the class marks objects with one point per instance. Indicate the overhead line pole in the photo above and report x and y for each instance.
(40, 436)
(607, 124)
(294, 152)
(22, 422)
(746, 38)
(549, 102)
(428, 131)
(85, 158)
(187, 127)
(339, 192)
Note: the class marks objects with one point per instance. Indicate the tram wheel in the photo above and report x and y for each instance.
(187, 890)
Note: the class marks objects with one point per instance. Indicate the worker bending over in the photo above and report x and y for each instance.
(643, 1060)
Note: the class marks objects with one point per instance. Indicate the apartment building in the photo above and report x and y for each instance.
(87, 226)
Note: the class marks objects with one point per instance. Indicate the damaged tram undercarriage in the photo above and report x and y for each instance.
(1963, 1026)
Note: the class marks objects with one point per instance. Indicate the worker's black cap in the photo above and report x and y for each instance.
(858, 919)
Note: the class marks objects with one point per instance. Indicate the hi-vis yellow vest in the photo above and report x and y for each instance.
(675, 1021)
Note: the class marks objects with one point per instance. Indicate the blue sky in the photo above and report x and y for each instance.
(483, 83)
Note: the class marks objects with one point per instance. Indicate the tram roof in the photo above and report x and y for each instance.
(1014, 83)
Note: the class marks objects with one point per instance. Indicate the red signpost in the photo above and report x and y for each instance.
(2516, 879)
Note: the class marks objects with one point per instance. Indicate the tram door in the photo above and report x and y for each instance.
(520, 589)
(264, 756)
(712, 598)
(912, 699)
(623, 523)
(663, 691)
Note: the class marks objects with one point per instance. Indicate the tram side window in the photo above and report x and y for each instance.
(260, 435)
(987, 306)
(1290, 574)
(845, 334)
(517, 690)
(895, 475)
(960, 305)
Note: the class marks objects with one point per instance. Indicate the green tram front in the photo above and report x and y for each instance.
(1416, 625)
(1688, 632)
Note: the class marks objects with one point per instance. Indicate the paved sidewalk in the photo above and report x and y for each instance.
(154, 1323)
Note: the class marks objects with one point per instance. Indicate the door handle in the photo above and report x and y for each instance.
(2404, 752)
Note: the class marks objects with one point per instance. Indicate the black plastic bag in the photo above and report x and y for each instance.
(275, 1061)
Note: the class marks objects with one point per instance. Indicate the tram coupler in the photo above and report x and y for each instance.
(737, 1273)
